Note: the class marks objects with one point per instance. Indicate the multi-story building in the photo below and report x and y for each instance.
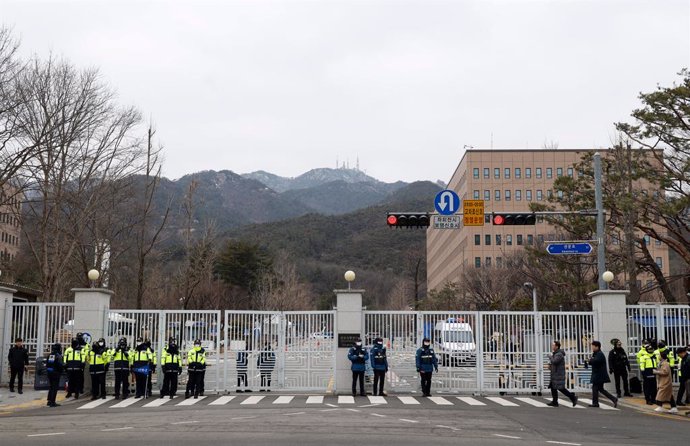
(10, 226)
(507, 181)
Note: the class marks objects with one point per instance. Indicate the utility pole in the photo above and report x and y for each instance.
(599, 204)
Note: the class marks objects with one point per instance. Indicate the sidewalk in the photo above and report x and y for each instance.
(30, 399)
(638, 403)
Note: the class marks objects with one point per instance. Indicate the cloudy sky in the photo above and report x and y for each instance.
(286, 86)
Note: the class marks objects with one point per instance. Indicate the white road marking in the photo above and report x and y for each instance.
(354, 410)
(96, 403)
(440, 401)
(408, 400)
(563, 442)
(283, 400)
(471, 401)
(191, 401)
(116, 429)
(379, 415)
(252, 400)
(157, 403)
(46, 435)
(531, 402)
(331, 405)
(601, 406)
(295, 413)
(507, 436)
(223, 400)
(566, 403)
(345, 399)
(408, 421)
(377, 400)
(185, 422)
(242, 418)
(444, 427)
(329, 410)
(125, 403)
(502, 401)
(315, 400)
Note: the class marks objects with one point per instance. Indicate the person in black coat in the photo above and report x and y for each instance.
(19, 360)
(54, 368)
(619, 366)
(600, 375)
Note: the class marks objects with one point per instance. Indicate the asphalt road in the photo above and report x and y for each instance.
(331, 423)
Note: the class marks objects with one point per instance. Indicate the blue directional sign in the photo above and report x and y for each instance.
(569, 248)
(447, 202)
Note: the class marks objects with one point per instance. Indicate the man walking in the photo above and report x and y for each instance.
(619, 366)
(358, 356)
(557, 380)
(426, 363)
(18, 358)
(379, 362)
(599, 376)
(54, 369)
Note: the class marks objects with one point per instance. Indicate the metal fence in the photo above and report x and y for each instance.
(497, 352)
(279, 350)
(40, 325)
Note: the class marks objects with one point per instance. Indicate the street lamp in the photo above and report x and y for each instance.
(93, 277)
(530, 285)
(350, 277)
(607, 277)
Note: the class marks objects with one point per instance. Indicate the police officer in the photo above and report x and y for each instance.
(619, 366)
(641, 352)
(683, 376)
(669, 352)
(196, 364)
(98, 360)
(74, 360)
(85, 348)
(153, 363)
(54, 369)
(379, 362)
(358, 356)
(648, 363)
(426, 362)
(171, 365)
(122, 362)
(140, 366)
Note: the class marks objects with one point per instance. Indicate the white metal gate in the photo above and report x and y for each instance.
(483, 351)
(302, 344)
(40, 325)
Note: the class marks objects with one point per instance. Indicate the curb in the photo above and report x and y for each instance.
(635, 404)
(34, 404)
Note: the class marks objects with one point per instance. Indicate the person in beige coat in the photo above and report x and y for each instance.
(664, 384)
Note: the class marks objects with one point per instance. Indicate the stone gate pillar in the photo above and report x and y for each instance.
(349, 326)
(611, 319)
(6, 296)
(91, 307)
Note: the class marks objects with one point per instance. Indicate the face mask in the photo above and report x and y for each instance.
(380, 343)
(101, 344)
(358, 344)
(426, 344)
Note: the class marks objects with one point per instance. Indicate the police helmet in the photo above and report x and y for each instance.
(80, 335)
(426, 340)
(649, 348)
(75, 343)
(57, 348)
(662, 344)
(197, 342)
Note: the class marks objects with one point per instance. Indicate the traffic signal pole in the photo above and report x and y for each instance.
(598, 200)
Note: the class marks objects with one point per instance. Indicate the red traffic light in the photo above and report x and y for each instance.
(499, 220)
(392, 220)
(408, 219)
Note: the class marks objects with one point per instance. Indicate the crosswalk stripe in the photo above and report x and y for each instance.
(471, 401)
(408, 400)
(223, 400)
(601, 406)
(283, 400)
(377, 400)
(502, 401)
(190, 401)
(96, 403)
(157, 402)
(124, 403)
(440, 401)
(252, 400)
(566, 403)
(315, 399)
(346, 399)
(531, 402)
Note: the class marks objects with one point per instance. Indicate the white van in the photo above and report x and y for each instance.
(454, 343)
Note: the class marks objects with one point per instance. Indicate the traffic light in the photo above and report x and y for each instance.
(408, 219)
(513, 219)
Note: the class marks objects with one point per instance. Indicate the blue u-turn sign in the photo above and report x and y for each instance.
(447, 202)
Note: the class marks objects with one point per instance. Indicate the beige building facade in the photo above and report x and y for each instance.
(10, 226)
(507, 181)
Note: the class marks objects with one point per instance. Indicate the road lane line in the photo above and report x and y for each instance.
(563, 442)
(377, 400)
(566, 403)
(252, 400)
(444, 427)
(294, 413)
(346, 399)
(531, 402)
(283, 399)
(116, 429)
(379, 415)
(329, 410)
(185, 422)
(223, 400)
(408, 421)
(502, 401)
(601, 406)
(331, 405)
(471, 401)
(122, 404)
(507, 436)
(440, 401)
(190, 401)
(242, 418)
(315, 399)
(408, 400)
(354, 410)
(157, 403)
(95, 403)
(46, 435)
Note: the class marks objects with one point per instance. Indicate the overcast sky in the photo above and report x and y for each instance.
(286, 86)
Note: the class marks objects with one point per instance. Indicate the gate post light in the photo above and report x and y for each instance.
(350, 277)
(93, 277)
(608, 277)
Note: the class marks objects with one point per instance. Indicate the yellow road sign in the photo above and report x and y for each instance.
(473, 212)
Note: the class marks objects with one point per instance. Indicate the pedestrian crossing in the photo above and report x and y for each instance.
(335, 401)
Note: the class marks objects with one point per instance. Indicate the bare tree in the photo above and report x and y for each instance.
(280, 289)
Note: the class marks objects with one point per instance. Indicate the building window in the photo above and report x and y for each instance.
(487, 262)
(499, 262)
(528, 172)
(647, 240)
(549, 194)
(487, 239)
(498, 239)
(477, 262)
(540, 238)
(518, 195)
(540, 196)
(507, 194)
(519, 239)
(497, 195)
(570, 172)
(559, 172)
(538, 172)
(497, 173)
(476, 194)
(518, 173)
(530, 239)
(659, 263)
(487, 195)
(486, 173)
(509, 240)
(549, 173)
(657, 242)
(477, 239)
(506, 173)
(475, 173)
(560, 194)
(528, 195)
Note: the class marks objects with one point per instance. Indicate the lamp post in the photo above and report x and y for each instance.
(93, 277)
(530, 285)
(607, 277)
(350, 277)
